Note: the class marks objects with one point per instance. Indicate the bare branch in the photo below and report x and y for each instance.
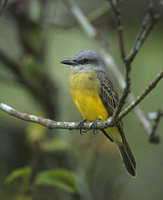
(117, 12)
(149, 21)
(125, 93)
(51, 123)
(154, 138)
(141, 116)
(151, 86)
(146, 29)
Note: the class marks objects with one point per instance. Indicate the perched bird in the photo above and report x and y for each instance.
(96, 98)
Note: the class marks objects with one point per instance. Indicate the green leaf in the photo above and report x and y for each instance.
(24, 173)
(60, 178)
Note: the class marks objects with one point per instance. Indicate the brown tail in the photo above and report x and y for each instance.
(128, 158)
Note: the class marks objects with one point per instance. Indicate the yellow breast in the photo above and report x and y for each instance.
(84, 87)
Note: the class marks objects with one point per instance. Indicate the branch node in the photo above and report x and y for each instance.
(155, 139)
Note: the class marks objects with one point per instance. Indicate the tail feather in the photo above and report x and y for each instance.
(127, 155)
(125, 152)
(128, 150)
(128, 159)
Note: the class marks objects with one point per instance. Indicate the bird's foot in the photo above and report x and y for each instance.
(80, 126)
(94, 125)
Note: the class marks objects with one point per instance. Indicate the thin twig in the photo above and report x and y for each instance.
(145, 30)
(117, 11)
(153, 137)
(149, 21)
(141, 116)
(125, 93)
(151, 86)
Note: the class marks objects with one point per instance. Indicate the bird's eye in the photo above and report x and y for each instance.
(83, 61)
(75, 61)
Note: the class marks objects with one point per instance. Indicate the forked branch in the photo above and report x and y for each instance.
(149, 21)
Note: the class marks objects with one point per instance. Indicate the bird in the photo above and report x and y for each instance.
(96, 98)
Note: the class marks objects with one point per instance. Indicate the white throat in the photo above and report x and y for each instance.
(87, 67)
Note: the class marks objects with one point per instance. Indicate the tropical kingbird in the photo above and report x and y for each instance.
(96, 98)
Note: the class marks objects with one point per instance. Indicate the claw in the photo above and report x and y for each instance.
(80, 126)
(94, 125)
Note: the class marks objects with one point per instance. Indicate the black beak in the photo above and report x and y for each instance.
(69, 62)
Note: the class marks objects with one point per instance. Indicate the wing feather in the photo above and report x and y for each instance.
(107, 92)
(109, 95)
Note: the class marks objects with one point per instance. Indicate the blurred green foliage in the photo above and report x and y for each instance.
(63, 164)
(24, 173)
(59, 178)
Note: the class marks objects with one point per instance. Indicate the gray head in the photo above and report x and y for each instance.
(86, 60)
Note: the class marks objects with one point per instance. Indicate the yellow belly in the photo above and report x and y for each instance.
(84, 90)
